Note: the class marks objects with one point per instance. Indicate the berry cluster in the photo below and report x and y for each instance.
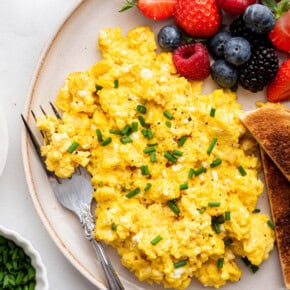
(248, 56)
(244, 52)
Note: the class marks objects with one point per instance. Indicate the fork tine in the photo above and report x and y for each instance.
(57, 114)
(34, 117)
(32, 137)
(37, 149)
(42, 110)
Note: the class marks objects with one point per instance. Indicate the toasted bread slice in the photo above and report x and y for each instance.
(270, 126)
(279, 197)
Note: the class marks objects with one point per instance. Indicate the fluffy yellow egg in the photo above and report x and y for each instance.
(175, 177)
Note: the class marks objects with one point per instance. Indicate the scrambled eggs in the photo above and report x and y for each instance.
(174, 173)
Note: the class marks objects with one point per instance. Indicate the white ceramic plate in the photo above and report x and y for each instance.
(73, 48)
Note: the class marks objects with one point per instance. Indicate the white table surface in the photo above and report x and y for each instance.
(25, 28)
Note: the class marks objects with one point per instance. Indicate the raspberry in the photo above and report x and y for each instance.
(192, 61)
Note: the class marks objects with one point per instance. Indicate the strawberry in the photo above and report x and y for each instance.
(279, 88)
(235, 7)
(154, 9)
(280, 34)
(198, 18)
(192, 61)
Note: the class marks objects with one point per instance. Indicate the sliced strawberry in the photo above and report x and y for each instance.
(192, 61)
(279, 89)
(157, 9)
(280, 34)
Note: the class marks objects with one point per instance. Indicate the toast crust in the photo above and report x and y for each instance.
(279, 198)
(270, 125)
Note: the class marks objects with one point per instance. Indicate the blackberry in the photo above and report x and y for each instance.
(259, 70)
(238, 28)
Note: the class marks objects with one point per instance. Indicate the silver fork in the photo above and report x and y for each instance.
(75, 194)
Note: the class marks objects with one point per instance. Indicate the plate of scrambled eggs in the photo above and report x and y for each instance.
(177, 179)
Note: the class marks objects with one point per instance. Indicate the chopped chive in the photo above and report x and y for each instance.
(127, 130)
(177, 153)
(147, 133)
(19, 278)
(145, 170)
(227, 215)
(125, 140)
(156, 240)
(134, 126)
(152, 144)
(170, 157)
(168, 124)
(183, 186)
(202, 210)
(142, 121)
(216, 227)
(246, 261)
(107, 141)
(256, 210)
(212, 112)
(153, 157)
(211, 146)
(115, 132)
(172, 205)
(168, 115)
(191, 173)
(98, 88)
(220, 263)
(72, 147)
(116, 84)
(141, 109)
(182, 141)
(219, 219)
(254, 268)
(199, 171)
(6, 281)
(133, 193)
(180, 264)
(149, 150)
(216, 163)
(114, 227)
(228, 242)
(214, 203)
(271, 225)
(242, 171)
(148, 186)
(99, 135)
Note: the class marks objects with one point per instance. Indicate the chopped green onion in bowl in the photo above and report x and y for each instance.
(23, 265)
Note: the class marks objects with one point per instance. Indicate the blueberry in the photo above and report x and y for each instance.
(237, 51)
(217, 42)
(224, 74)
(259, 18)
(169, 37)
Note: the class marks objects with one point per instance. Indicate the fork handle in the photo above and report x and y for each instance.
(111, 275)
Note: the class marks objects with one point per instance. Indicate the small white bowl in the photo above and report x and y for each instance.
(41, 275)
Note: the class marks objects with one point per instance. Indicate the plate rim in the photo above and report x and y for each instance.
(26, 154)
(25, 150)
